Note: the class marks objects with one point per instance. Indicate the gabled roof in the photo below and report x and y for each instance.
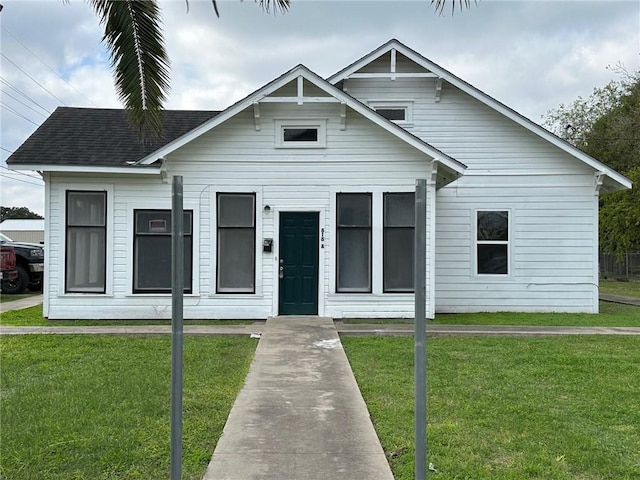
(449, 168)
(612, 180)
(97, 137)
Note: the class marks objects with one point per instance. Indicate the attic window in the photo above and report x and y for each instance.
(301, 134)
(309, 134)
(400, 112)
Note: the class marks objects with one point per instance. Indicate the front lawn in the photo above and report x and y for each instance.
(97, 407)
(508, 408)
(32, 317)
(611, 315)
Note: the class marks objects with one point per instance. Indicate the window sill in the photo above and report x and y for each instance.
(85, 295)
(158, 295)
(358, 296)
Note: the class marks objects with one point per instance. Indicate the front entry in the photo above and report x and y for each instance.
(298, 263)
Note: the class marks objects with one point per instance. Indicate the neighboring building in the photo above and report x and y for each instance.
(299, 200)
(23, 230)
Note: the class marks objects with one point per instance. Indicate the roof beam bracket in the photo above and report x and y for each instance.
(300, 90)
(393, 64)
(343, 116)
(438, 89)
(599, 179)
(256, 116)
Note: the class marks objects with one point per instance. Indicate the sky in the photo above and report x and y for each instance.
(531, 55)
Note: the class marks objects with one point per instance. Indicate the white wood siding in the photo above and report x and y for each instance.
(551, 197)
(235, 157)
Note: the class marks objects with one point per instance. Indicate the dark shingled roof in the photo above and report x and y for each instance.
(99, 137)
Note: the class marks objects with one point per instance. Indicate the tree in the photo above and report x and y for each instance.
(614, 137)
(17, 213)
(620, 219)
(607, 126)
(134, 39)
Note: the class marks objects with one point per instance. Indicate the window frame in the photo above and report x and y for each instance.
(134, 259)
(337, 244)
(231, 290)
(406, 105)
(282, 125)
(507, 243)
(385, 228)
(67, 228)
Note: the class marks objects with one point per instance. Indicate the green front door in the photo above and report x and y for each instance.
(298, 263)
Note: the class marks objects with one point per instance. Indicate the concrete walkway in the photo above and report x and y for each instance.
(352, 329)
(20, 304)
(300, 414)
(620, 299)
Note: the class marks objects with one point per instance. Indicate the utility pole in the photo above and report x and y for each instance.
(420, 359)
(177, 292)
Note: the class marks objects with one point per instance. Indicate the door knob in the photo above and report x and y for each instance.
(281, 273)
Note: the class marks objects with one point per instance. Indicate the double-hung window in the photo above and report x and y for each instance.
(492, 242)
(152, 251)
(86, 234)
(353, 242)
(398, 242)
(236, 256)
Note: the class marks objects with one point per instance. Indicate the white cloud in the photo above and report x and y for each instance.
(531, 55)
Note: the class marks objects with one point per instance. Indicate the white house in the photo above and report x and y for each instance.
(299, 200)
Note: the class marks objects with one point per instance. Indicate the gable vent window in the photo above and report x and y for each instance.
(393, 114)
(492, 244)
(301, 134)
(400, 112)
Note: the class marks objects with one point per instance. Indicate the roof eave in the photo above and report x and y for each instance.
(318, 81)
(613, 176)
(129, 170)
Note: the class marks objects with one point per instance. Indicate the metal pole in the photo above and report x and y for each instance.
(177, 291)
(420, 360)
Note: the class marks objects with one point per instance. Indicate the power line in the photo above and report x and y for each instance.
(24, 95)
(50, 68)
(20, 180)
(6, 149)
(24, 104)
(33, 79)
(16, 113)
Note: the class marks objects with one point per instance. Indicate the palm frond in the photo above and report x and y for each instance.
(134, 38)
(439, 5)
(278, 6)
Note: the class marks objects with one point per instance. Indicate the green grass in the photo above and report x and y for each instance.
(611, 315)
(32, 317)
(624, 289)
(12, 298)
(99, 407)
(508, 408)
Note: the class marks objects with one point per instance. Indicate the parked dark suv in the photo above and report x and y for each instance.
(29, 265)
